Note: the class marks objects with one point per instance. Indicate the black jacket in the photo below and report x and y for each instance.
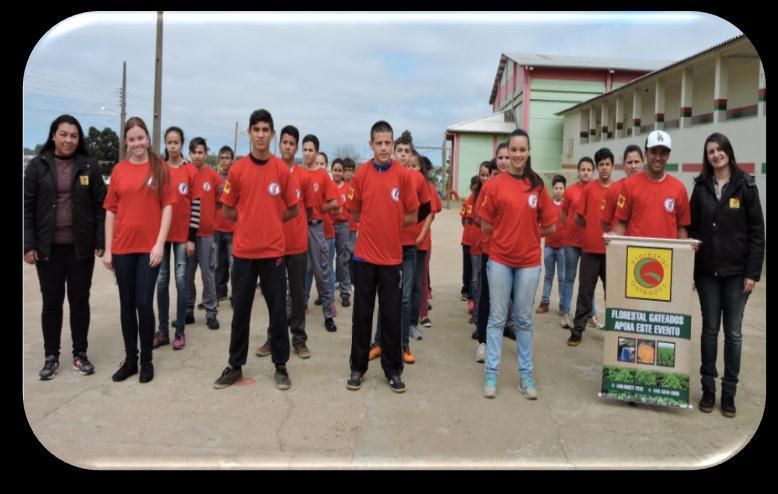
(731, 230)
(40, 206)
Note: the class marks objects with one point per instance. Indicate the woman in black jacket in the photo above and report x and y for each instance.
(727, 218)
(64, 225)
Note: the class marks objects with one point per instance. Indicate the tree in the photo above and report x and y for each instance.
(407, 133)
(103, 146)
(213, 161)
(343, 151)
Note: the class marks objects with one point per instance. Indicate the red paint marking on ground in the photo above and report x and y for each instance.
(245, 381)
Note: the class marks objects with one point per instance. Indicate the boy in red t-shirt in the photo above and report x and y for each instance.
(553, 255)
(349, 167)
(259, 195)
(223, 230)
(382, 199)
(341, 226)
(654, 203)
(588, 213)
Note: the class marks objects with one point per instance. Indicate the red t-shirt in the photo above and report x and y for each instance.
(466, 213)
(517, 215)
(383, 198)
(590, 207)
(322, 190)
(261, 193)
(296, 229)
(222, 224)
(653, 208)
(574, 233)
(411, 233)
(329, 226)
(436, 207)
(207, 183)
(137, 208)
(610, 201)
(182, 179)
(482, 239)
(556, 239)
(342, 196)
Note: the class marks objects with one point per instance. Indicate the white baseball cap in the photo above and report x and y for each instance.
(658, 138)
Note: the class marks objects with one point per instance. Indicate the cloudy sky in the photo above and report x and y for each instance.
(329, 74)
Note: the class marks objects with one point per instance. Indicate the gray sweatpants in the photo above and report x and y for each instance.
(207, 261)
(317, 260)
(343, 258)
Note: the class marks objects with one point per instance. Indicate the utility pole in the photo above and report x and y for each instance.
(123, 111)
(235, 140)
(157, 86)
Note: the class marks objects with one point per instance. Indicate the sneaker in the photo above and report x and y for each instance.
(566, 322)
(354, 381)
(146, 372)
(190, 318)
(542, 308)
(408, 356)
(595, 323)
(345, 302)
(302, 351)
(329, 325)
(228, 378)
(126, 370)
(575, 338)
(728, 406)
(264, 350)
(429, 306)
(470, 306)
(200, 306)
(527, 388)
(475, 334)
(212, 322)
(509, 332)
(490, 387)
(317, 301)
(334, 310)
(83, 365)
(282, 378)
(415, 333)
(160, 339)
(180, 341)
(480, 353)
(396, 383)
(50, 366)
(375, 352)
(426, 322)
(708, 401)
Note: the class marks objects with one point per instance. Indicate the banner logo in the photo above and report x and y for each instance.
(649, 273)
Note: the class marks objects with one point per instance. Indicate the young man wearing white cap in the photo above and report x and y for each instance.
(653, 203)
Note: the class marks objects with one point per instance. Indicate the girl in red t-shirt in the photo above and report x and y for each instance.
(515, 210)
(139, 206)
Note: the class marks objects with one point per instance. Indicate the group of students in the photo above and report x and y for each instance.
(270, 219)
(507, 213)
(264, 217)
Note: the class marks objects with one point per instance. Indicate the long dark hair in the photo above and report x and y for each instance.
(489, 165)
(534, 179)
(726, 146)
(426, 167)
(48, 147)
(158, 172)
(180, 133)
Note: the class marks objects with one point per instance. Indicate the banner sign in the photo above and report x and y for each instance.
(648, 322)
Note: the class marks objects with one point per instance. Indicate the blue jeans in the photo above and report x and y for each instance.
(163, 281)
(553, 257)
(408, 271)
(524, 283)
(721, 299)
(572, 256)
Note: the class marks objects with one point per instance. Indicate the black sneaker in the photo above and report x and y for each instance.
(212, 322)
(201, 306)
(575, 338)
(396, 383)
(329, 325)
(126, 370)
(475, 334)
(190, 318)
(728, 406)
(345, 302)
(708, 401)
(317, 301)
(221, 297)
(50, 366)
(509, 332)
(355, 381)
(228, 378)
(282, 378)
(83, 365)
(146, 372)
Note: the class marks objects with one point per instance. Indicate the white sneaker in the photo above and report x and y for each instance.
(490, 387)
(414, 333)
(595, 323)
(566, 322)
(480, 353)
